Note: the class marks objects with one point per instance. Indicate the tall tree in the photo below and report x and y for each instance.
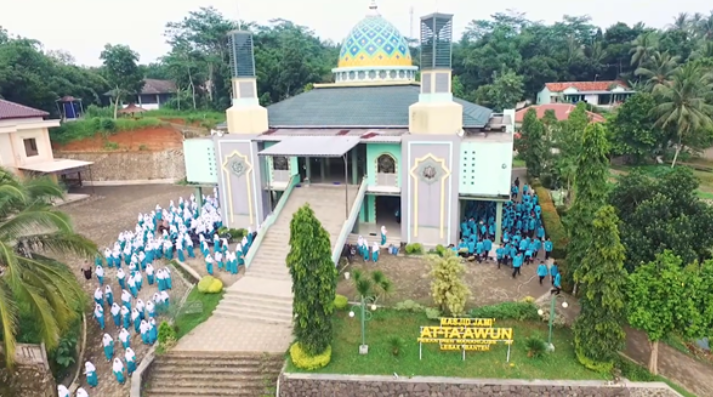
(531, 145)
(644, 47)
(32, 231)
(684, 104)
(568, 140)
(590, 186)
(448, 289)
(659, 301)
(504, 93)
(632, 130)
(598, 332)
(658, 71)
(122, 72)
(314, 281)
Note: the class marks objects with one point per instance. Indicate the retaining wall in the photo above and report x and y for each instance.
(131, 166)
(318, 385)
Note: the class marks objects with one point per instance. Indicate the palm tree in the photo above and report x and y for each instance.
(659, 71)
(681, 22)
(31, 230)
(644, 47)
(683, 103)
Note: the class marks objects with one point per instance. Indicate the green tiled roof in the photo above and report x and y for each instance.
(375, 106)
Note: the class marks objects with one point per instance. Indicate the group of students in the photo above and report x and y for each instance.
(523, 233)
(160, 234)
(371, 252)
(221, 255)
(63, 391)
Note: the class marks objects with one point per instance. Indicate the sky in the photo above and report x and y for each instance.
(83, 27)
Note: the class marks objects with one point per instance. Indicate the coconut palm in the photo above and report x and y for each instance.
(32, 230)
(683, 103)
(659, 70)
(682, 22)
(644, 47)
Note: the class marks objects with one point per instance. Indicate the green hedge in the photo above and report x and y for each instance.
(89, 127)
(553, 224)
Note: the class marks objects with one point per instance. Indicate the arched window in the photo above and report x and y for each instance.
(280, 163)
(386, 164)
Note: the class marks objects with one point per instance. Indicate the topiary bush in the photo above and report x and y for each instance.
(409, 306)
(210, 285)
(340, 302)
(414, 249)
(166, 335)
(304, 361)
(536, 346)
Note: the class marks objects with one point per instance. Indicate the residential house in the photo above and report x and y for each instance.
(154, 93)
(562, 111)
(25, 147)
(605, 94)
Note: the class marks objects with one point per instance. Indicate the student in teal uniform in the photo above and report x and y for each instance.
(548, 248)
(516, 264)
(554, 271)
(542, 271)
(557, 285)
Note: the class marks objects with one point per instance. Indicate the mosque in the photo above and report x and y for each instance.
(408, 154)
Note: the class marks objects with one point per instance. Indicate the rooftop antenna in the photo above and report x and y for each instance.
(373, 9)
(237, 12)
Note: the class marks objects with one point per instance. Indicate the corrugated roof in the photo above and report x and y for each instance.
(155, 86)
(369, 106)
(312, 146)
(12, 110)
(365, 135)
(585, 85)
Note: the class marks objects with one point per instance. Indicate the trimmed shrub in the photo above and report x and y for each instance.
(409, 306)
(166, 335)
(414, 249)
(340, 302)
(304, 361)
(210, 285)
(553, 224)
(507, 311)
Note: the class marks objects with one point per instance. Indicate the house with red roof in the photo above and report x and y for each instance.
(25, 147)
(605, 94)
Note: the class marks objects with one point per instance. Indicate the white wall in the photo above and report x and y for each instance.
(592, 99)
(6, 156)
(492, 179)
(44, 147)
(147, 106)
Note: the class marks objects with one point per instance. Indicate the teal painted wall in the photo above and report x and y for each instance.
(485, 168)
(374, 151)
(543, 97)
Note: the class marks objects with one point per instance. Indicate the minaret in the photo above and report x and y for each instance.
(246, 116)
(435, 112)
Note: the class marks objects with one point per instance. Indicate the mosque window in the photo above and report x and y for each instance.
(386, 164)
(372, 74)
(280, 164)
(362, 75)
(382, 74)
(351, 75)
(401, 74)
(392, 74)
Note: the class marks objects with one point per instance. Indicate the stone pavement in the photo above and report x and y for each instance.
(220, 334)
(101, 218)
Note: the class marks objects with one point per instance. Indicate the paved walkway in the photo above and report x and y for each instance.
(239, 335)
(101, 218)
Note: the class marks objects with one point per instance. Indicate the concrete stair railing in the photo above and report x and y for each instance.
(175, 374)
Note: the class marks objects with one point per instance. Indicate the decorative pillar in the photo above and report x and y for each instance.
(246, 116)
(498, 222)
(308, 169)
(321, 169)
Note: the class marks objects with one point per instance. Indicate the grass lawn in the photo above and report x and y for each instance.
(517, 163)
(385, 324)
(185, 323)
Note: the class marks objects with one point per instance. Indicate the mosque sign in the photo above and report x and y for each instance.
(464, 335)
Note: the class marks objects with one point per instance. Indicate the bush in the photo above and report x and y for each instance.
(414, 249)
(507, 311)
(397, 344)
(166, 335)
(536, 346)
(554, 228)
(340, 302)
(210, 285)
(304, 361)
(432, 313)
(89, 127)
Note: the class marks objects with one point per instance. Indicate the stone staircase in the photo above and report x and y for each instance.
(196, 374)
(327, 202)
(265, 293)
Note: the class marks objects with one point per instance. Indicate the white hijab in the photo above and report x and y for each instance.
(107, 340)
(209, 259)
(118, 365)
(383, 229)
(124, 335)
(239, 248)
(149, 269)
(100, 271)
(149, 305)
(89, 367)
(360, 241)
(125, 296)
(107, 290)
(144, 326)
(81, 393)
(98, 311)
(375, 247)
(120, 273)
(129, 355)
(98, 293)
(115, 309)
(62, 391)
(134, 314)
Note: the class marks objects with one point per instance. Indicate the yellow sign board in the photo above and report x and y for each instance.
(465, 334)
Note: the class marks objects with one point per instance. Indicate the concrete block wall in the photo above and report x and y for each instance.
(131, 166)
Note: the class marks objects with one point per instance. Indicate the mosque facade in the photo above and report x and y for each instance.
(388, 129)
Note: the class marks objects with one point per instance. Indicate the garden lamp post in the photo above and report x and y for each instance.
(550, 346)
(364, 316)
